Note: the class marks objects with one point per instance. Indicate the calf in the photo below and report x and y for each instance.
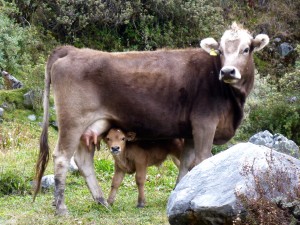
(136, 156)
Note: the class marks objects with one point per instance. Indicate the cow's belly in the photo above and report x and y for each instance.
(223, 135)
(155, 128)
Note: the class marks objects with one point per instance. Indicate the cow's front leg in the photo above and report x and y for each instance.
(203, 139)
(140, 178)
(84, 159)
(115, 184)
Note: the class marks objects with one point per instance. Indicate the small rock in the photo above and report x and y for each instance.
(32, 117)
(284, 49)
(262, 138)
(47, 181)
(277, 142)
(4, 105)
(277, 40)
(1, 112)
(29, 99)
(284, 145)
(54, 124)
(292, 99)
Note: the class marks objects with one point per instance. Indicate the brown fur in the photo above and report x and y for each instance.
(135, 157)
(159, 95)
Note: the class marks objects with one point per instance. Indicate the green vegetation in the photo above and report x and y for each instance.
(18, 153)
(30, 29)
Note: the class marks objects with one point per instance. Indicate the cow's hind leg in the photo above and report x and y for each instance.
(84, 159)
(61, 158)
(187, 159)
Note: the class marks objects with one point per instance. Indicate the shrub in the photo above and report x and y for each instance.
(11, 36)
(22, 52)
(13, 183)
(118, 25)
(273, 107)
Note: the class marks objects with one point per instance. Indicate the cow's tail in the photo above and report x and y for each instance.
(43, 157)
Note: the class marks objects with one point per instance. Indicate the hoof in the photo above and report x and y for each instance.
(102, 201)
(140, 205)
(110, 202)
(61, 212)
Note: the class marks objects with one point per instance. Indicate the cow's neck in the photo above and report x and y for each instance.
(239, 95)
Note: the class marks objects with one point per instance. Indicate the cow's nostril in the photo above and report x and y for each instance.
(115, 148)
(225, 72)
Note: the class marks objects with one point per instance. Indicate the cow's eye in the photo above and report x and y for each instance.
(246, 51)
(123, 139)
(107, 139)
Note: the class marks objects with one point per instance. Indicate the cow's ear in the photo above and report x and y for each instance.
(260, 41)
(130, 136)
(209, 45)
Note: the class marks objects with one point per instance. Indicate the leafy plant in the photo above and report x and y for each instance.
(118, 25)
(273, 107)
(12, 183)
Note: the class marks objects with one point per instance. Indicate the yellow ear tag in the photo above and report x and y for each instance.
(213, 52)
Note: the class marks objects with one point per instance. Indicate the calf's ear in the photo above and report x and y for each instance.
(209, 45)
(130, 136)
(260, 41)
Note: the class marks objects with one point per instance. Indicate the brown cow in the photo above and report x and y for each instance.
(191, 93)
(135, 157)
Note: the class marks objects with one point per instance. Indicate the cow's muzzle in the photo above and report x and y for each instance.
(229, 74)
(115, 150)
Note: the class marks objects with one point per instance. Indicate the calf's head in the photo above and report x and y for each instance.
(116, 140)
(236, 53)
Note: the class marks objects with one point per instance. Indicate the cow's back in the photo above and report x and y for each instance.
(137, 91)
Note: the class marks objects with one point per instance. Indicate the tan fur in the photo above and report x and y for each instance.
(135, 157)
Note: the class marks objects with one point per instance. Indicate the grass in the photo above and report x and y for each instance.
(18, 154)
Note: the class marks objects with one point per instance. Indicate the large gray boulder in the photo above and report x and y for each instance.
(208, 193)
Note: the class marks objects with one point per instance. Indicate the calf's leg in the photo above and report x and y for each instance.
(140, 178)
(115, 184)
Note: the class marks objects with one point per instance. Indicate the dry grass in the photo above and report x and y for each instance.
(261, 201)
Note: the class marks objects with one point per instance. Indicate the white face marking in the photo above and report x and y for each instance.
(235, 48)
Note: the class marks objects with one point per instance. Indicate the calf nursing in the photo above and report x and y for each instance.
(135, 157)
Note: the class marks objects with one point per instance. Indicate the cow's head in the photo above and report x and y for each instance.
(116, 140)
(236, 52)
